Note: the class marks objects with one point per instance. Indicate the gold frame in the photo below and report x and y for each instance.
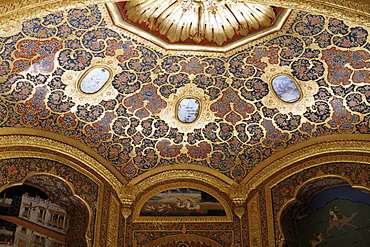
(301, 95)
(86, 72)
(177, 108)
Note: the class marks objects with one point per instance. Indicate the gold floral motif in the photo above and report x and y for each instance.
(205, 115)
(73, 81)
(254, 222)
(307, 90)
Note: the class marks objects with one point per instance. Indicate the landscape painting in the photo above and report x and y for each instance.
(182, 202)
(339, 216)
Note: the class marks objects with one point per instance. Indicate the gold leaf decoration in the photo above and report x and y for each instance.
(216, 21)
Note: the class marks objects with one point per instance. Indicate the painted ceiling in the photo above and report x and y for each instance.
(132, 120)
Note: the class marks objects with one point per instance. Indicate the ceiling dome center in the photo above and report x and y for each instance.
(198, 21)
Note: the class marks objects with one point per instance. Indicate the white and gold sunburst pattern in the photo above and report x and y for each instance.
(199, 20)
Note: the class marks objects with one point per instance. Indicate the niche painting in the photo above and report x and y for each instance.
(28, 218)
(338, 216)
(182, 202)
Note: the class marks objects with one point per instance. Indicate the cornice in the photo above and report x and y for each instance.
(357, 12)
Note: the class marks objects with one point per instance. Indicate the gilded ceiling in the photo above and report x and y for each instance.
(132, 118)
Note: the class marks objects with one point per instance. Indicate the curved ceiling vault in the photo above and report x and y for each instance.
(74, 72)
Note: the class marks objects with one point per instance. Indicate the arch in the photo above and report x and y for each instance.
(35, 152)
(61, 193)
(183, 238)
(333, 145)
(290, 211)
(278, 177)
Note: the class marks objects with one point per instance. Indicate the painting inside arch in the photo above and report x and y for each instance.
(338, 216)
(182, 202)
(29, 218)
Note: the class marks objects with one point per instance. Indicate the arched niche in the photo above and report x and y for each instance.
(279, 178)
(25, 153)
(44, 207)
(324, 210)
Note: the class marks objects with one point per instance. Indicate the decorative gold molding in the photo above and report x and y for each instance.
(254, 222)
(182, 237)
(113, 221)
(311, 148)
(51, 141)
(137, 218)
(73, 81)
(174, 174)
(205, 115)
(307, 90)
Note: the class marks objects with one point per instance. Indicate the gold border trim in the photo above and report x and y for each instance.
(322, 145)
(83, 76)
(137, 218)
(182, 237)
(173, 172)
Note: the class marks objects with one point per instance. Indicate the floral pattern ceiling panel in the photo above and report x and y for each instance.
(132, 119)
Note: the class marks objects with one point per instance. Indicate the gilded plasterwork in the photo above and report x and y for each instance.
(73, 81)
(307, 89)
(288, 157)
(254, 222)
(205, 115)
(113, 221)
(357, 12)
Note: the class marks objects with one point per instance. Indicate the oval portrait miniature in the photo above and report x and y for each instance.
(94, 80)
(286, 89)
(187, 110)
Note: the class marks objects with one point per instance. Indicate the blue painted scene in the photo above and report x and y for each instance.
(182, 202)
(339, 216)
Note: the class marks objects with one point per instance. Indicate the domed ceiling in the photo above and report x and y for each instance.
(203, 22)
(76, 73)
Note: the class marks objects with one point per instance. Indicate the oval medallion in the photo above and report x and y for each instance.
(187, 110)
(94, 80)
(286, 89)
